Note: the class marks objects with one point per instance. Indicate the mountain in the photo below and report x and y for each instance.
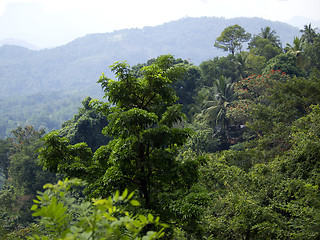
(78, 64)
(75, 67)
(18, 42)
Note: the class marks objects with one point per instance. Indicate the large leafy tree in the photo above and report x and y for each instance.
(285, 62)
(212, 69)
(185, 87)
(231, 38)
(263, 47)
(252, 63)
(144, 124)
(86, 126)
(252, 92)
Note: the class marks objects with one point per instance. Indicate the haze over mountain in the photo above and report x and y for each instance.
(69, 73)
(81, 62)
(29, 22)
(47, 24)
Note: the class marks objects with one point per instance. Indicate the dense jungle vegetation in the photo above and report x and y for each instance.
(227, 149)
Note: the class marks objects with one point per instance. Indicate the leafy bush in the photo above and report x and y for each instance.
(64, 217)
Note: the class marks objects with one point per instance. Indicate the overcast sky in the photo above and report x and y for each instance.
(48, 23)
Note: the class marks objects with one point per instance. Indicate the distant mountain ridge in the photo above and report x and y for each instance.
(17, 42)
(78, 64)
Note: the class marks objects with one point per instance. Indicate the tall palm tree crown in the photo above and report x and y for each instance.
(297, 47)
(309, 33)
(214, 110)
(266, 33)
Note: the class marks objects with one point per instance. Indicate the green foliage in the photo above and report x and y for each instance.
(63, 217)
(142, 124)
(231, 39)
(215, 105)
(26, 175)
(253, 63)
(266, 33)
(286, 63)
(267, 188)
(263, 47)
(297, 46)
(86, 126)
(145, 125)
(42, 110)
(303, 159)
(58, 155)
(185, 88)
(5, 148)
(214, 109)
(312, 56)
(262, 203)
(203, 141)
(287, 102)
(309, 33)
(217, 67)
(23, 177)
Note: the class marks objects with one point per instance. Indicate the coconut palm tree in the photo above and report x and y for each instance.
(309, 33)
(214, 109)
(270, 35)
(297, 47)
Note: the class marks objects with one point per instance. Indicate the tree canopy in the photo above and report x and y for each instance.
(231, 38)
(144, 124)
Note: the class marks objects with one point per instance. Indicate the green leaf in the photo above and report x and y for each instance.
(34, 207)
(150, 217)
(135, 203)
(85, 205)
(143, 219)
(130, 196)
(116, 196)
(124, 194)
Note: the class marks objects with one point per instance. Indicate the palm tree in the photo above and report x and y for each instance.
(214, 110)
(297, 47)
(266, 33)
(308, 33)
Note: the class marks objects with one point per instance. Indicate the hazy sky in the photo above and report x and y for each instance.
(47, 23)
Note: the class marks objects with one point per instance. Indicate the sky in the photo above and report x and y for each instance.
(50, 23)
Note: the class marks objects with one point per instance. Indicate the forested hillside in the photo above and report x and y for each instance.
(71, 71)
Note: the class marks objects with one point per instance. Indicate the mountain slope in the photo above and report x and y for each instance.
(73, 69)
(78, 64)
